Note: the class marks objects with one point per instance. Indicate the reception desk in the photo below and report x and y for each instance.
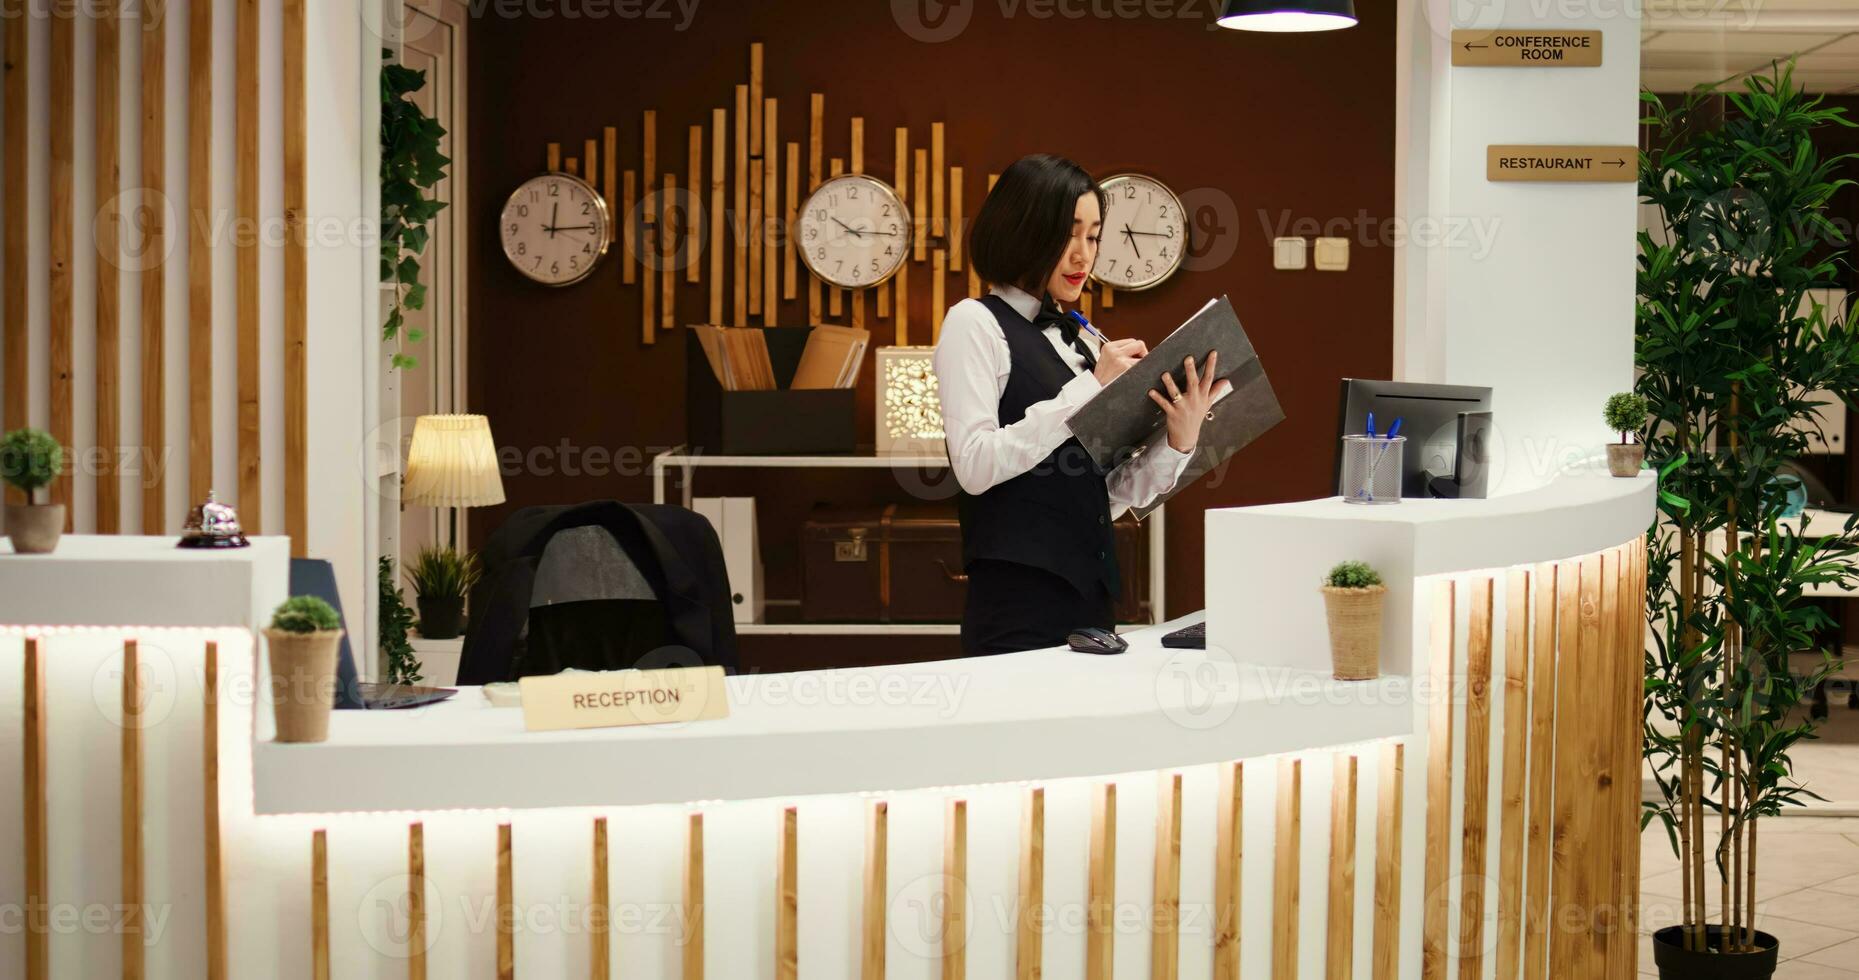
(1226, 812)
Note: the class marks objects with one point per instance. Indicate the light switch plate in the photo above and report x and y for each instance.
(1332, 254)
(1289, 253)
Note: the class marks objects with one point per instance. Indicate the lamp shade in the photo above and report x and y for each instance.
(452, 463)
(1288, 15)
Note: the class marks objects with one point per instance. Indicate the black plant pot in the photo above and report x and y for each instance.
(1678, 963)
(441, 619)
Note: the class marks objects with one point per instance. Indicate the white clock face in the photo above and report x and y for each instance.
(1145, 235)
(554, 228)
(854, 232)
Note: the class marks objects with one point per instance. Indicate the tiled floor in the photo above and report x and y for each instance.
(1807, 893)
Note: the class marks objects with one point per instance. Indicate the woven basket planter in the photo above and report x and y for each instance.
(303, 682)
(1355, 631)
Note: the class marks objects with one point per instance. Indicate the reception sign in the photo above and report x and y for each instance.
(616, 698)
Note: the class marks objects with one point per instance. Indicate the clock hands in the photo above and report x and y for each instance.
(1127, 233)
(848, 227)
(1151, 234)
(555, 212)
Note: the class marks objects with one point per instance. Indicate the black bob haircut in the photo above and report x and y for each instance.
(1025, 222)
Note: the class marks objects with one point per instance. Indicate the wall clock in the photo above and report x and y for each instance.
(854, 232)
(1145, 234)
(555, 228)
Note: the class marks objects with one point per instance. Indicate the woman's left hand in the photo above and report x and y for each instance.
(1187, 409)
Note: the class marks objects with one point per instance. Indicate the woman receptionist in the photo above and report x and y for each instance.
(1011, 367)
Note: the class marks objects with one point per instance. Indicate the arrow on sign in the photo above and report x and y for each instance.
(1469, 45)
(1615, 163)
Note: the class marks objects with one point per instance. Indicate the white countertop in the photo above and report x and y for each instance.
(1036, 715)
(143, 580)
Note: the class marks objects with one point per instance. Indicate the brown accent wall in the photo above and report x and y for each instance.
(1262, 132)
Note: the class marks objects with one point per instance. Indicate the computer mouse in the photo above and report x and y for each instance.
(1095, 639)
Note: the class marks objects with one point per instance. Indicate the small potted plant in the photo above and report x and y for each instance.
(1626, 414)
(30, 459)
(442, 578)
(304, 639)
(1352, 600)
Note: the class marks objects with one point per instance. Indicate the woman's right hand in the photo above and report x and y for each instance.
(1116, 356)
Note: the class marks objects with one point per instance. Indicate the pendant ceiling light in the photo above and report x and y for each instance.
(1288, 15)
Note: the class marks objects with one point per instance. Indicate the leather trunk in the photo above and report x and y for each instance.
(902, 563)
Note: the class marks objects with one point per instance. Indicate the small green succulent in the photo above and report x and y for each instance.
(1352, 575)
(1625, 413)
(305, 614)
(30, 459)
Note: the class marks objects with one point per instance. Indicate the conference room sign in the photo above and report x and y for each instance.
(1526, 49)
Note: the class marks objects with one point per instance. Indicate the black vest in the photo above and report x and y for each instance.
(1055, 516)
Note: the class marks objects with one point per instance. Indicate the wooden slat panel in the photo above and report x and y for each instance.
(855, 153)
(939, 275)
(918, 194)
(630, 255)
(554, 157)
(210, 829)
(1165, 923)
(1101, 885)
(296, 287)
(34, 832)
(1511, 846)
(154, 243)
(249, 493)
(1438, 900)
(835, 298)
(693, 911)
(670, 226)
(900, 304)
(719, 128)
(1285, 871)
(506, 906)
(771, 208)
(108, 230)
(135, 950)
(937, 170)
(955, 902)
(1606, 852)
(1229, 831)
(1633, 612)
(1567, 820)
(1108, 298)
(13, 263)
(416, 901)
(787, 897)
(789, 268)
(1391, 792)
(590, 161)
(873, 936)
(816, 155)
(572, 166)
(62, 132)
(648, 279)
(756, 60)
(740, 304)
(1029, 922)
(957, 226)
(1339, 955)
(1542, 771)
(1084, 303)
(199, 250)
(1475, 833)
(600, 955)
(758, 232)
(693, 189)
(610, 175)
(648, 166)
(319, 906)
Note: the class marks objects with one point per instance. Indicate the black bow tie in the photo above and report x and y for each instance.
(1050, 315)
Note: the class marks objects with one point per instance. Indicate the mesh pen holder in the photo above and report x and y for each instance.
(1372, 469)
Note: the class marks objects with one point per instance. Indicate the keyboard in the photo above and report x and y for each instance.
(1190, 637)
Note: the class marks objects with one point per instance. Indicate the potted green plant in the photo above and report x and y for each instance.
(1625, 413)
(29, 460)
(442, 578)
(303, 639)
(1730, 349)
(403, 666)
(1352, 601)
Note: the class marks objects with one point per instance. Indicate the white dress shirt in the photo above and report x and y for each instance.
(972, 365)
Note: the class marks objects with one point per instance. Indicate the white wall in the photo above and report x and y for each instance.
(1544, 314)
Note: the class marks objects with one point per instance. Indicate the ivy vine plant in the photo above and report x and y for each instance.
(411, 166)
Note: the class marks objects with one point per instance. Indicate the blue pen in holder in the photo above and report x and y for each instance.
(1372, 469)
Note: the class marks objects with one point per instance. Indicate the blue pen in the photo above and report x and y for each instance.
(1395, 429)
(1079, 319)
(1371, 425)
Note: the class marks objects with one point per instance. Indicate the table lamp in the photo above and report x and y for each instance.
(452, 463)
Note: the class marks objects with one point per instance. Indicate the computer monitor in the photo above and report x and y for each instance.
(1437, 460)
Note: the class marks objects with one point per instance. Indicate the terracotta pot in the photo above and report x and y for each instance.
(1624, 459)
(1355, 631)
(441, 618)
(303, 682)
(35, 528)
(1678, 963)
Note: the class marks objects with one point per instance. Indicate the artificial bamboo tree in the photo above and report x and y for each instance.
(1731, 344)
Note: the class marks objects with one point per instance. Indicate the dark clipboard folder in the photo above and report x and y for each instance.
(1121, 421)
